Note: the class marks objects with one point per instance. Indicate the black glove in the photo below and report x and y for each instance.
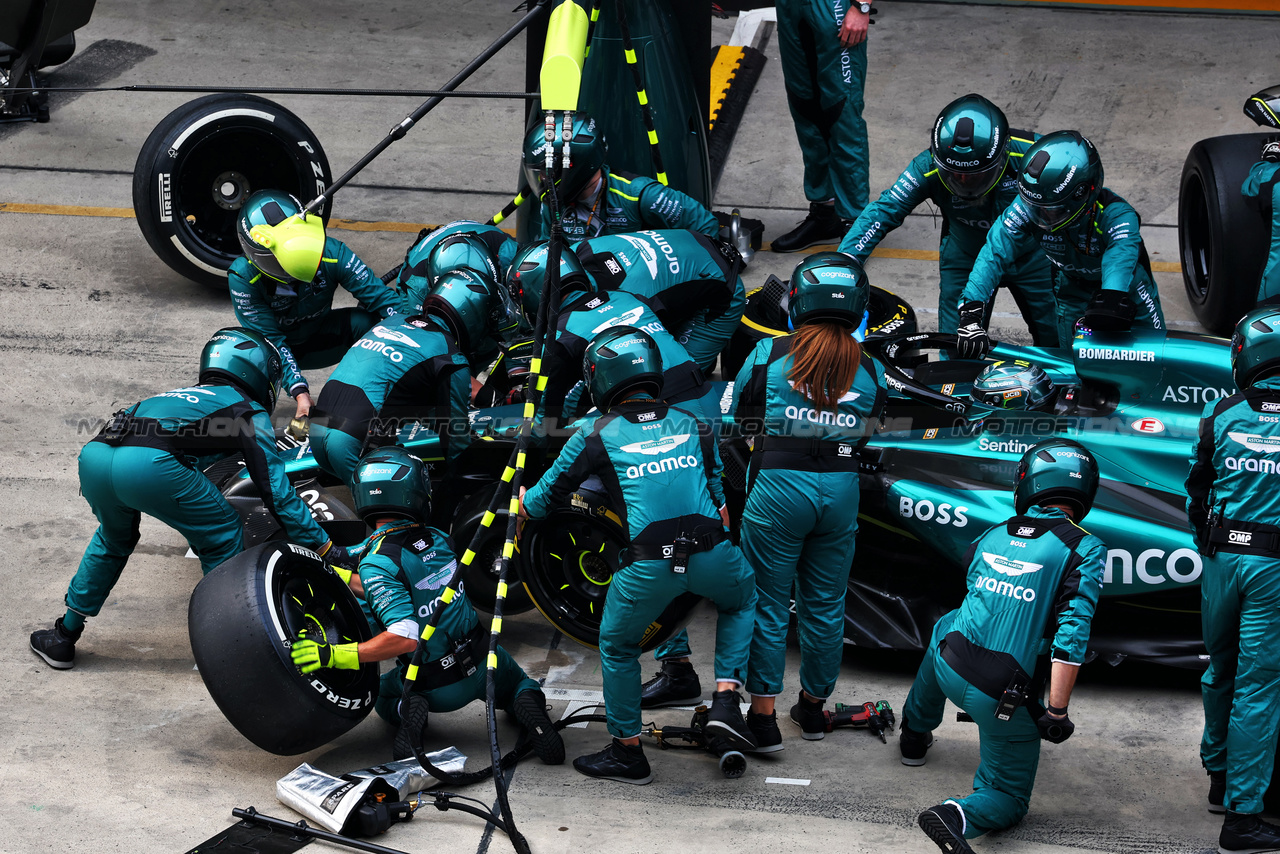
(1056, 730)
(341, 558)
(1110, 311)
(973, 341)
(1271, 151)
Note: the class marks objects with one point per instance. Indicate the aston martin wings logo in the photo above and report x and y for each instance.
(1005, 566)
(646, 252)
(627, 318)
(657, 446)
(392, 335)
(1254, 442)
(847, 397)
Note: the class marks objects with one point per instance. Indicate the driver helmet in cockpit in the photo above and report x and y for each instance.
(1014, 384)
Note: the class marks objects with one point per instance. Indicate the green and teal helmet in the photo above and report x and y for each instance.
(1057, 471)
(1255, 346)
(1264, 107)
(391, 481)
(472, 307)
(620, 362)
(246, 359)
(587, 150)
(528, 274)
(458, 251)
(828, 287)
(1061, 177)
(970, 146)
(278, 239)
(1013, 384)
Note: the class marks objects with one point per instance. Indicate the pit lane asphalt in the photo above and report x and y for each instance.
(128, 753)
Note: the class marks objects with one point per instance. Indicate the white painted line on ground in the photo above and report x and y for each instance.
(786, 781)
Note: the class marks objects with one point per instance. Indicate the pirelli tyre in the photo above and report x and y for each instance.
(1222, 238)
(480, 579)
(766, 317)
(567, 562)
(243, 618)
(202, 161)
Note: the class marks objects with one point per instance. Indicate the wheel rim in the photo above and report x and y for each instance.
(571, 562)
(305, 605)
(213, 179)
(1194, 239)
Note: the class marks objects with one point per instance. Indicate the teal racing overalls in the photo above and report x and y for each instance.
(1262, 186)
(411, 281)
(964, 232)
(661, 468)
(1101, 249)
(627, 202)
(154, 464)
(801, 516)
(690, 280)
(405, 369)
(1033, 586)
(303, 324)
(824, 84)
(1234, 509)
(403, 572)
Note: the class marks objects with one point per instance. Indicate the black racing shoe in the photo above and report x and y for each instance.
(724, 719)
(913, 745)
(530, 709)
(622, 762)
(1247, 834)
(764, 728)
(675, 685)
(1217, 791)
(807, 715)
(413, 723)
(56, 646)
(944, 824)
(822, 225)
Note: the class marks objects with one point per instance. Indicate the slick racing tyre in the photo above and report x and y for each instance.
(766, 317)
(1222, 238)
(243, 618)
(199, 165)
(567, 563)
(480, 579)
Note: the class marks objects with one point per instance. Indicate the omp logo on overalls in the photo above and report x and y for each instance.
(1006, 566)
(654, 448)
(1258, 444)
(629, 318)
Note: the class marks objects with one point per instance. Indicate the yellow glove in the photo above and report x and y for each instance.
(310, 656)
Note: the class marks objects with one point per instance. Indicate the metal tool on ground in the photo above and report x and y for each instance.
(733, 764)
(877, 718)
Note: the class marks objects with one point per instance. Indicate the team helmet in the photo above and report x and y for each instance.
(620, 362)
(1057, 471)
(828, 287)
(1264, 107)
(970, 146)
(278, 239)
(247, 360)
(1255, 346)
(1061, 177)
(472, 307)
(528, 274)
(1013, 384)
(391, 481)
(587, 150)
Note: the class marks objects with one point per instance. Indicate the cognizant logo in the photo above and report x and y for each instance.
(688, 461)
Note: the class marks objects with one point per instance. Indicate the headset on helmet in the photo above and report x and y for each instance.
(247, 360)
(620, 362)
(391, 482)
(472, 307)
(828, 287)
(1013, 384)
(528, 274)
(278, 239)
(1264, 107)
(1255, 346)
(970, 146)
(1061, 177)
(1057, 471)
(587, 150)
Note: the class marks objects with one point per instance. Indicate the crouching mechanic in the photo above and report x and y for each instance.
(283, 287)
(1235, 512)
(484, 249)
(661, 466)
(404, 570)
(150, 459)
(1033, 585)
(1262, 187)
(597, 201)
(970, 173)
(410, 368)
(1090, 234)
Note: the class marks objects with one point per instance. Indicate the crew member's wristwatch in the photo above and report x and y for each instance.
(864, 8)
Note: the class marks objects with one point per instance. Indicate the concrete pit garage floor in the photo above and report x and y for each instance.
(127, 752)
